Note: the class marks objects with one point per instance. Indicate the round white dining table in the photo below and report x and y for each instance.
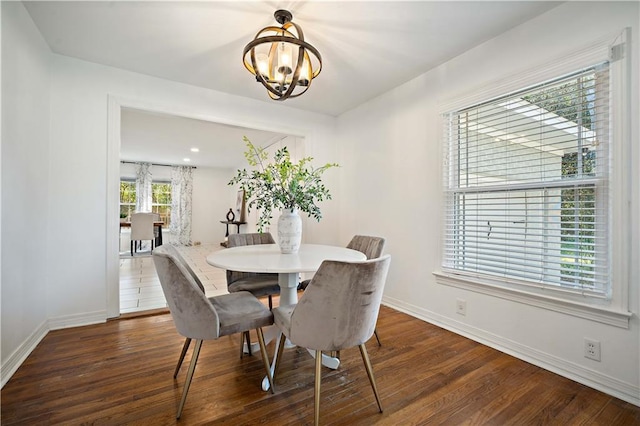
(268, 258)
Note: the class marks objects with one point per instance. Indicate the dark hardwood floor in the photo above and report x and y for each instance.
(121, 372)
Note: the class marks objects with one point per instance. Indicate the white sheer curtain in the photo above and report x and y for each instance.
(181, 189)
(143, 187)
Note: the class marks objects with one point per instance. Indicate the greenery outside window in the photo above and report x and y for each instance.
(161, 201)
(127, 198)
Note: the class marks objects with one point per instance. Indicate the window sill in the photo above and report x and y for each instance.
(602, 314)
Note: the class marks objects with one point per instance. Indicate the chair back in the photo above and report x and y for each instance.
(175, 253)
(250, 239)
(340, 307)
(142, 226)
(371, 246)
(194, 316)
(235, 240)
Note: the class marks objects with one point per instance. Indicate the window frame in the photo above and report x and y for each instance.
(613, 310)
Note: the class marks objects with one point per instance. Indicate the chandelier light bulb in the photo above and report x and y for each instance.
(284, 59)
(305, 72)
(263, 64)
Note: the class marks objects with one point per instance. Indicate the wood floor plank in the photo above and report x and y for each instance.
(121, 373)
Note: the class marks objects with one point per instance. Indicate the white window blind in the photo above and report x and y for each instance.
(526, 185)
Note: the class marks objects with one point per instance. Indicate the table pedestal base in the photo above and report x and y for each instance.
(288, 288)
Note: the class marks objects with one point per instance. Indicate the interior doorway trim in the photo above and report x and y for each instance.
(114, 109)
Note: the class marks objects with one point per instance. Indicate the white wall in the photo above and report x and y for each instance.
(392, 186)
(25, 199)
(212, 198)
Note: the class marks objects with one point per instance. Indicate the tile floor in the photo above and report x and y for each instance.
(139, 284)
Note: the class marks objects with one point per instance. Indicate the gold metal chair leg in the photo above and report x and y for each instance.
(187, 383)
(185, 347)
(316, 411)
(241, 345)
(281, 340)
(375, 332)
(367, 365)
(265, 357)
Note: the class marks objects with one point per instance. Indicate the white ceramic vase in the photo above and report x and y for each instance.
(289, 231)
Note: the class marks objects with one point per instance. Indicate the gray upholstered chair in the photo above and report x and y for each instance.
(187, 341)
(141, 230)
(337, 311)
(201, 318)
(372, 247)
(258, 284)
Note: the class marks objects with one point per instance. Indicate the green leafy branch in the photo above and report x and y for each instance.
(281, 184)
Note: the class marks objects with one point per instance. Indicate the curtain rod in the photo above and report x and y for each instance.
(155, 164)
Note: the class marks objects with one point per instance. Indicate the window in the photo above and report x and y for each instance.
(527, 194)
(127, 198)
(160, 199)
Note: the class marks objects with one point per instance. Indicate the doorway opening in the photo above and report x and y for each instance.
(139, 134)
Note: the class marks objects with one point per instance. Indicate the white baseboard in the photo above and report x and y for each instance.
(16, 359)
(77, 320)
(575, 372)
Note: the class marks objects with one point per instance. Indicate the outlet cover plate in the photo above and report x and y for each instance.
(592, 349)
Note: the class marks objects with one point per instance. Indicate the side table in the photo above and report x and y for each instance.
(227, 223)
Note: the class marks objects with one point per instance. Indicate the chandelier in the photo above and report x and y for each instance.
(281, 60)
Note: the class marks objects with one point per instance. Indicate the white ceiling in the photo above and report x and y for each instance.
(367, 47)
(168, 139)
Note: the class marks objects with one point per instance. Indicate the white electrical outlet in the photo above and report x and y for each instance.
(592, 349)
(461, 307)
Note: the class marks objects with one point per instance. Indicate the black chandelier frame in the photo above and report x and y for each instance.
(282, 89)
